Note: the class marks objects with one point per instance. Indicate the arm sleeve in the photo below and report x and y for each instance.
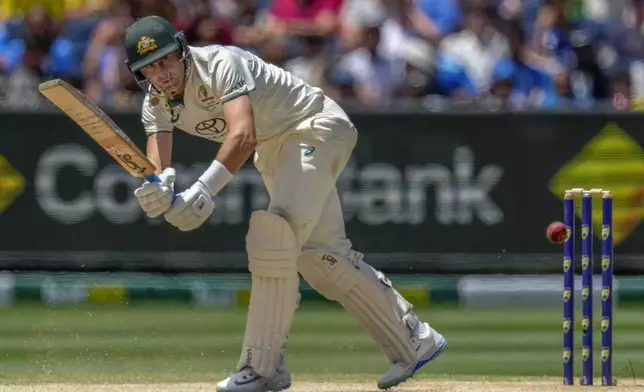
(231, 76)
(153, 117)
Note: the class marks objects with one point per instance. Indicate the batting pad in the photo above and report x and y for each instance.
(366, 294)
(272, 254)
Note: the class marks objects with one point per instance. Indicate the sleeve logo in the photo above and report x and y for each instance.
(238, 86)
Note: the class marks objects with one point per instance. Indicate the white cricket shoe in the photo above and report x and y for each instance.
(246, 380)
(430, 344)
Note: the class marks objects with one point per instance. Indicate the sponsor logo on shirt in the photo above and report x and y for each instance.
(214, 129)
(238, 86)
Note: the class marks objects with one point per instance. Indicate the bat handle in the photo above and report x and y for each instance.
(154, 178)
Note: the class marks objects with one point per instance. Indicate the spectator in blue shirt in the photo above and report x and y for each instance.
(530, 86)
(40, 36)
(4, 40)
(566, 40)
(465, 60)
(434, 19)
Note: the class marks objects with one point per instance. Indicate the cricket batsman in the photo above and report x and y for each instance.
(301, 141)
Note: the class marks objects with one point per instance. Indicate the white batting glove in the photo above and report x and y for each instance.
(156, 198)
(191, 208)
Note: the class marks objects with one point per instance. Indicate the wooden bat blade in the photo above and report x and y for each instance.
(99, 126)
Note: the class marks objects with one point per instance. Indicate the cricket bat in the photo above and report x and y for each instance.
(100, 127)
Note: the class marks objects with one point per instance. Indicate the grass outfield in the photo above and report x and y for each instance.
(188, 345)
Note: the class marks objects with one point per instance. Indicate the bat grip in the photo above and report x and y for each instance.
(154, 178)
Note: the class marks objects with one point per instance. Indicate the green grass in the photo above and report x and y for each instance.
(179, 343)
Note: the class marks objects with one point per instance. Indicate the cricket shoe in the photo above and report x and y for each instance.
(429, 345)
(246, 380)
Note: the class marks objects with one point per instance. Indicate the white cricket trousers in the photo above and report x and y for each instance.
(300, 170)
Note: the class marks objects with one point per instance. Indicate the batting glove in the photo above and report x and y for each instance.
(191, 208)
(156, 197)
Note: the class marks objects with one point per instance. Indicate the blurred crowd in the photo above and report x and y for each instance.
(521, 53)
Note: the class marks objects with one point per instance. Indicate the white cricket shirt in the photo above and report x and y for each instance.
(280, 100)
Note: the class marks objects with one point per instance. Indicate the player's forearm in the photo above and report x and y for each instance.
(241, 139)
(159, 150)
(237, 148)
(234, 152)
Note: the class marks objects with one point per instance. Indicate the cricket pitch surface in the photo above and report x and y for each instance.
(452, 385)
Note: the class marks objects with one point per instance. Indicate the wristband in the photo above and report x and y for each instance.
(215, 177)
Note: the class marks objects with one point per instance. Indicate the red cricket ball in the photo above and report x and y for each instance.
(557, 233)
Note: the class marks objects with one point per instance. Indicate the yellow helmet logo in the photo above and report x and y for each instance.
(146, 45)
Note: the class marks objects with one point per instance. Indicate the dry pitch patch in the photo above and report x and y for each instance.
(415, 386)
